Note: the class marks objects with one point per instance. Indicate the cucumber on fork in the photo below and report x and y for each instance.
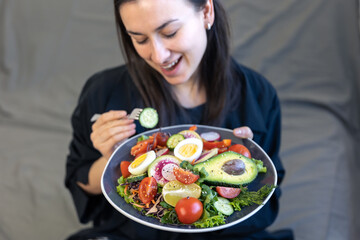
(148, 118)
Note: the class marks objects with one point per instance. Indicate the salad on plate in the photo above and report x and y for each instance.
(190, 178)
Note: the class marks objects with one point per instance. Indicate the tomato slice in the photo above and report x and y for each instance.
(189, 210)
(157, 139)
(216, 144)
(221, 150)
(239, 148)
(141, 147)
(193, 128)
(185, 176)
(147, 189)
(228, 192)
(124, 167)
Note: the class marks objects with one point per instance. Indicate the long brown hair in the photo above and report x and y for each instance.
(215, 71)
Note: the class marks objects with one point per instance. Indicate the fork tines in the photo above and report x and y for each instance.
(135, 113)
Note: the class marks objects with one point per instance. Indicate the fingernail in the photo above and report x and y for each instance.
(238, 131)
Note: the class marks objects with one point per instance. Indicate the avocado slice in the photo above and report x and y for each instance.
(229, 169)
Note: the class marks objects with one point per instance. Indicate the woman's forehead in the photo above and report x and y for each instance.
(136, 13)
(145, 5)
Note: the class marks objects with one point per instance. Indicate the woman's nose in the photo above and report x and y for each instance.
(159, 52)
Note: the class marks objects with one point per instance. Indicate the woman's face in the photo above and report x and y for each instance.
(169, 35)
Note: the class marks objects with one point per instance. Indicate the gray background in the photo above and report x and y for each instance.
(308, 49)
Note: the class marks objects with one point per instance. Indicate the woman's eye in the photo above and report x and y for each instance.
(170, 35)
(141, 41)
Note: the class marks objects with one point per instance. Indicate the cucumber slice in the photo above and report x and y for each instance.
(223, 205)
(136, 178)
(174, 140)
(148, 118)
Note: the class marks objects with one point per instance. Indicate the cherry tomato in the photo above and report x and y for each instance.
(185, 176)
(216, 144)
(228, 192)
(160, 138)
(124, 167)
(147, 189)
(239, 148)
(189, 210)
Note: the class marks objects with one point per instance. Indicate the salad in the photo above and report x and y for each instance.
(190, 178)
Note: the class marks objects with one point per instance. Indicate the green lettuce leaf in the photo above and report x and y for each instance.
(248, 198)
(210, 221)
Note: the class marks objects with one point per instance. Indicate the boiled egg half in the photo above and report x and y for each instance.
(188, 149)
(141, 163)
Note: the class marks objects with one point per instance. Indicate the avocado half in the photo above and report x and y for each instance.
(219, 174)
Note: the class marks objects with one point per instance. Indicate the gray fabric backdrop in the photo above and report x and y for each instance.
(309, 50)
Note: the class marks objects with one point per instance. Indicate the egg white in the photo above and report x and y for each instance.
(196, 155)
(142, 166)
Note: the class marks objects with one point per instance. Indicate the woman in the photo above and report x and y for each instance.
(178, 62)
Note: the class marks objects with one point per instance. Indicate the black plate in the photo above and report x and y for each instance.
(112, 173)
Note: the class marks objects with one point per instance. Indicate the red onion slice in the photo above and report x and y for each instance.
(162, 151)
(210, 136)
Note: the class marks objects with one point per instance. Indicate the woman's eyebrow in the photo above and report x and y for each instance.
(157, 29)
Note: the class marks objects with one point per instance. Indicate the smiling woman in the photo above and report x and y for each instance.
(163, 35)
(178, 62)
(173, 38)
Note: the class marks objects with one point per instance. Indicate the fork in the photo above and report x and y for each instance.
(133, 115)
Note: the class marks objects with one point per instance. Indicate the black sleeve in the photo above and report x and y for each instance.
(81, 156)
(264, 114)
(270, 142)
(111, 89)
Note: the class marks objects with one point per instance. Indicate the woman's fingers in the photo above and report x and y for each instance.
(107, 147)
(111, 128)
(108, 117)
(243, 132)
(116, 133)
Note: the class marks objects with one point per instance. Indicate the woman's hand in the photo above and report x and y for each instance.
(111, 128)
(243, 132)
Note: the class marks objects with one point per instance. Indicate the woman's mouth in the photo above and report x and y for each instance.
(171, 66)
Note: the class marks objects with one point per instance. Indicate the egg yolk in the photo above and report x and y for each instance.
(188, 150)
(138, 160)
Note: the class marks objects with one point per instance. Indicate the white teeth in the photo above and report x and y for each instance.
(171, 64)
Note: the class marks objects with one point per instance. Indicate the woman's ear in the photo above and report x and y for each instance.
(209, 14)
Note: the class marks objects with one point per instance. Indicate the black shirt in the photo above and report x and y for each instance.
(113, 89)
